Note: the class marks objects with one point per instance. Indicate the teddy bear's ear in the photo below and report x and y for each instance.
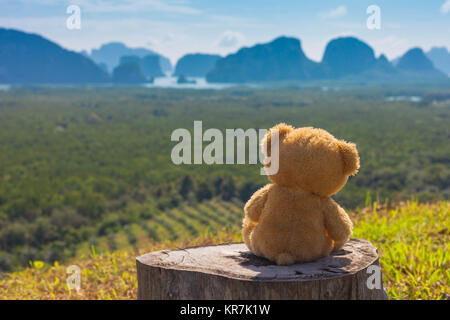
(350, 157)
(283, 130)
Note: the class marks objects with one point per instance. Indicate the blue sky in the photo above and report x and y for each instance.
(176, 27)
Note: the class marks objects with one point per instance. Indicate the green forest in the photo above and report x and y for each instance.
(82, 163)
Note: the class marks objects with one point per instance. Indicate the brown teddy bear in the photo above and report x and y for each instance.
(294, 219)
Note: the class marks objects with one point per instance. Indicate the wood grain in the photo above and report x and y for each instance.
(231, 271)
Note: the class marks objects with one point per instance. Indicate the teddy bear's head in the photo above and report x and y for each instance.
(312, 159)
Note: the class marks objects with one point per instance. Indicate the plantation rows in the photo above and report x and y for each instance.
(183, 222)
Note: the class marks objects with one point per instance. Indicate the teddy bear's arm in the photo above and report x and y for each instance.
(255, 204)
(337, 222)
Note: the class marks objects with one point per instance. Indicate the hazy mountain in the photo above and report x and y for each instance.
(103, 66)
(150, 65)
(111, 53)
(348, 56)
(384, 65)
(30, 58)
(281, 59)
(196, 65)
(395, 61)
(347, 59)
(415, 60)
(440, 57)
(383, 70)
(128, 72)
(125, 59)
(415, 66)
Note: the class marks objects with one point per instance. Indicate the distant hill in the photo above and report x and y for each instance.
(30, 58)
(383, 65)
(415, 60)
(395, 61)
(281, 59)
(415, 63)
(128, 72)
(347, 56)
(196, 65)
(382, 70)
(110, 54)
(149, 65)
(440, 57)
(125, 59)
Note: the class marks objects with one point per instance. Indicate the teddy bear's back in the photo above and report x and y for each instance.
(292, 221)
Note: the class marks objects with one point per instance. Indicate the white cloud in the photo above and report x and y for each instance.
(445, 8)
(168, 6)
(334, 13)
(38, 2)
(136, 6)
(230, 39)
(165, 41)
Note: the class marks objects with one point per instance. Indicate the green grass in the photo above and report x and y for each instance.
(412, 240)
(413, 244)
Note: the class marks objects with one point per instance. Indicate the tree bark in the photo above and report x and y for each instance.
(231, 271)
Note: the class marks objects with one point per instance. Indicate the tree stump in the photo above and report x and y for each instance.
(231, 271)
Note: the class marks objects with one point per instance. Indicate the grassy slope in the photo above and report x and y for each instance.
(412, 239)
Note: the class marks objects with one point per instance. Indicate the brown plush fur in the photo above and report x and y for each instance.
(294, 219)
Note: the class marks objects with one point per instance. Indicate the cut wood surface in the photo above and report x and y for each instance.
(231, 271)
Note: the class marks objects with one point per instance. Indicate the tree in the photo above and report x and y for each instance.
(186, 187)
(228, 189)
(217, 183)
(246, 191)
(6, 263)
(14, 235)
(128, 72)
(203, 192)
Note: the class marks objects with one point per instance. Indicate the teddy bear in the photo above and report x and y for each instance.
(294, 219)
